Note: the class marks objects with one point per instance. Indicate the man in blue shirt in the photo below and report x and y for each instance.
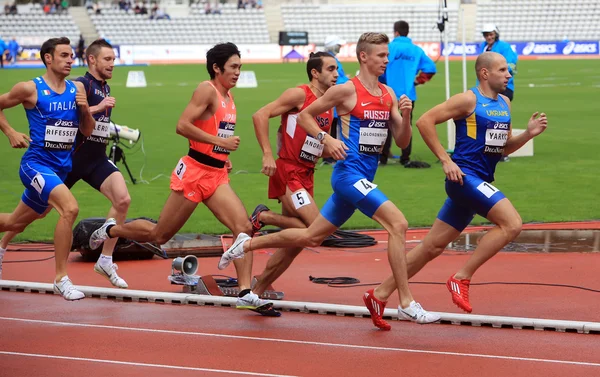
(13, 48)
(494, 44)
(409, 66)
(332, 45)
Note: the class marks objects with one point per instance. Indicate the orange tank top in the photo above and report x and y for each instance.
(221, 124)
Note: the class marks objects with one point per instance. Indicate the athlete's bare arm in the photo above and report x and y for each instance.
(339, 96)
(291, 99)
(203, 100)
(457, 107)
(22, 93)
(88, 122)
(400, 124)
(107, 103)
(535, 126)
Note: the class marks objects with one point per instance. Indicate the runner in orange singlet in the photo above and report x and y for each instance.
(291, 176)
(202, 176)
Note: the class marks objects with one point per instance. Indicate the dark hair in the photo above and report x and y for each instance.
(94, 48)
(219, 55)
(401, 27)
(50, 45)
(315, 61)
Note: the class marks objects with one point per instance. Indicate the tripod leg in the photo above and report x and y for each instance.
(127, 167)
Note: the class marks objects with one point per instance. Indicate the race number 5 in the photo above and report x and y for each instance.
(487, 189)
(364, 186)
(300, 199)
(180, 169)
(38, 182)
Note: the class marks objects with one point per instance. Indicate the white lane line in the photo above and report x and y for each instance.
(138, 364)
(304, 342)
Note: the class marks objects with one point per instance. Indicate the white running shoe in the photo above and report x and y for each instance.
(100, 235)
(236, 251)
(416, 313)
(110, 272)
(66, 289)
(250, 301)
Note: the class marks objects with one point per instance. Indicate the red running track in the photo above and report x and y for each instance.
(43, 335)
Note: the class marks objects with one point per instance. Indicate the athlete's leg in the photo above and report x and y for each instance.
(29, 216)
(115, 189)
(65, 204)
(307, 212)
(394, 222)
(229, 210)
(176, 211)
(434, 243)
(280, 220)
(508, 226)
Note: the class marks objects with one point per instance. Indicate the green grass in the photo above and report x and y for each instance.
(561, 183)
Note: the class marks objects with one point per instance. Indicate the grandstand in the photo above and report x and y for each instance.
(534, 20)
(242, 26)
(350, 21)
(32, 24)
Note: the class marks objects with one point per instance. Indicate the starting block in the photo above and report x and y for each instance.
(207, 285)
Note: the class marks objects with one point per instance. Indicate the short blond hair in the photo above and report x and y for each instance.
(367, 39)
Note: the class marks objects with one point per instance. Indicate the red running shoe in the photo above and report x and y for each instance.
(460, 293)
(376, 308)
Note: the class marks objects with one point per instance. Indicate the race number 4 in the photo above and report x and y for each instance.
(487, 189)
(180, 169)
(38, 182)
(300, 199)
(364, 186)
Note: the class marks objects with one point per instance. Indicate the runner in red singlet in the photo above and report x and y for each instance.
(291, 177)
(202, 176)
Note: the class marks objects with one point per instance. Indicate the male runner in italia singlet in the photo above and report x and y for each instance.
(90, 162)
(56, 109)
(291, 176)
(483, 137)
(202, 176)
(368, 110)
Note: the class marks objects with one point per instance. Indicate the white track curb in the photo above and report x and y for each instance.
(310, 307)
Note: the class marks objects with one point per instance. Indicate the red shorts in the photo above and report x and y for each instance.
(292, 175)
(197, 181)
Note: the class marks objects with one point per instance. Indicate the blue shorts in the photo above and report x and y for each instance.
(39, 181)
(351, 192)
(475, 196)
(92, 171)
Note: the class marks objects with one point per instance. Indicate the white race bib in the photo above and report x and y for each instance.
(496, 138)
(38, 182)
(300, 199)
(180, 169)
(311, 149)
(101, 129)
(372, 136)
(487, 189)
(364, 186)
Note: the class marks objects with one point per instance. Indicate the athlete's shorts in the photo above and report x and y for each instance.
(294, 176)
(39, 181)
(475, 196)
(197, 181)
(92, 171)
(351, 192)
